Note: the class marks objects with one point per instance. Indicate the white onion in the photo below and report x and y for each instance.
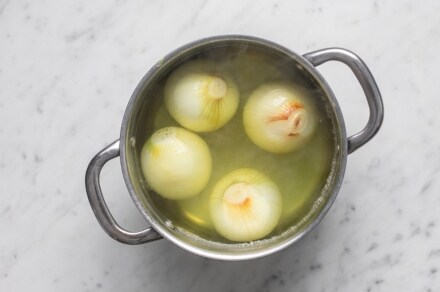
(176, 163)
(201, 96)
(245, 205)
(279, 117)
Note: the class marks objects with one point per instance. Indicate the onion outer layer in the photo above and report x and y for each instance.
(176, 163)
(201, 96)
(279, 117)
(245, 205)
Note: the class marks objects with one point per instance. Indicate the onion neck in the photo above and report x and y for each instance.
(289, 125)
(238, 195)
(297, 122)
(217, 87)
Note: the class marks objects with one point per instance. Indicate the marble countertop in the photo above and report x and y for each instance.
(67, 70)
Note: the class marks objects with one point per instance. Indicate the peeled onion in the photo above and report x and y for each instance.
(176, 163)
(245, 205)
(279, 117)
(201, 96)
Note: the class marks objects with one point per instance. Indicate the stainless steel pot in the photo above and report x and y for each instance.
(161, 227)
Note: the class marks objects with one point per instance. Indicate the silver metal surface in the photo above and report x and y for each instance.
(368, 84)
(99, 206)
(225, 251)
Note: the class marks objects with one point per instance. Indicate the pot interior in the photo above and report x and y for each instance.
(146, 113)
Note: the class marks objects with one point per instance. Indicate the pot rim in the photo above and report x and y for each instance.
(339, 123)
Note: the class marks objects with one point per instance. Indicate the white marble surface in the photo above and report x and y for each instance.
(67, 70)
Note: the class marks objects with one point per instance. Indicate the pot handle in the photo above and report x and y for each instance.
(99, 206)
(368, 84)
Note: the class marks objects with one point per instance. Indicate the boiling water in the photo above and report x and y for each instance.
(301, 175)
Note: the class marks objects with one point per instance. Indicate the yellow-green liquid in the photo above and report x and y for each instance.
(300, 175)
